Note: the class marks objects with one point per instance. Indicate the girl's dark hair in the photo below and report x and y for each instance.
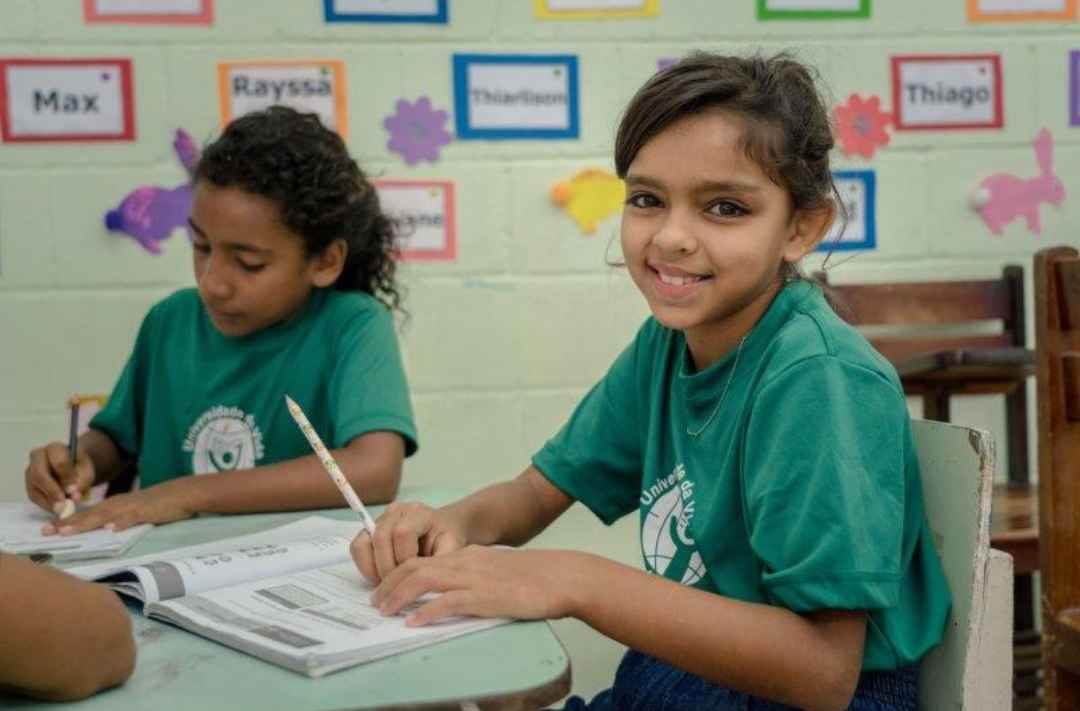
(305, 169)
(787, 129)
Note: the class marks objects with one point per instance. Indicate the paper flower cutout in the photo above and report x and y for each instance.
(149, 214)
(589, 197)
(861, 125)
(417, 131)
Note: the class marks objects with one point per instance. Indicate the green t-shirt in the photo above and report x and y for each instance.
(191, 400)
(802, 491)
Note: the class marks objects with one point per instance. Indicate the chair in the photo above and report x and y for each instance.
(972, 667)
(1057, 346)
(936, 335)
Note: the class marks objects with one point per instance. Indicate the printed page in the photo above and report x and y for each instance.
(305, 529)
(313, 621)
(168, 579)
(20, 533)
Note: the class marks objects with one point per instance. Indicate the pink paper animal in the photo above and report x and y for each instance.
(150, 214)
(1002, 198)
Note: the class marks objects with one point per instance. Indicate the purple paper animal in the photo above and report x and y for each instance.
(150, 214)
(1002, 198)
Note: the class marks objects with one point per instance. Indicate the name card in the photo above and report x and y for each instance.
(858, 188)
(594, 9)
(1021, 10)
(516, 96)
(66, 100)
(158, 12)
(316, 86)
(408, 11)
(942, 92)
(424, 211)
(812, 9)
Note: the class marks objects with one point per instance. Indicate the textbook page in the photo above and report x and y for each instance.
(20, 533)
(313, 622)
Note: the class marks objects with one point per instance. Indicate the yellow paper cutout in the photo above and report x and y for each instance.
(589, 197)
(597, 10)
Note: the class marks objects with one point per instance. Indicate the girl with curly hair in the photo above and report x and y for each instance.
(294, 266)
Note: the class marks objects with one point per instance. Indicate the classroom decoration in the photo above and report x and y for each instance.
(315, 85)
(153, 12)
(947, 92)
(516, 96)
(1003, 197)
(860, 126)
(589, 197)
(417, 131)
(425, 216)
(66, 100)
(1074, 88)
(858, 189)
(813, 9)
(1021, 10)
(150, 214)
(594, 9)
(434, 12)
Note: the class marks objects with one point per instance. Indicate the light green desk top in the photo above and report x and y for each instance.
(519, 666)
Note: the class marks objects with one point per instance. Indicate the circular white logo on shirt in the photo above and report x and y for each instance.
(224, 439)
(666, 542)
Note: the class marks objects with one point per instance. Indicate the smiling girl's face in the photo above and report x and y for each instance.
(251, 270)
(705, 232)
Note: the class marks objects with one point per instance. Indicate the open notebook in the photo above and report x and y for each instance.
(20, 533)
(290, 595)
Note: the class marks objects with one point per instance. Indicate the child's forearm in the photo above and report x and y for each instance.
(371, 463)
(807, 662)
(64, 639)
(510, 512)
(108, 459)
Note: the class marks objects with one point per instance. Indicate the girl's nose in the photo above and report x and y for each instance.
(213, 279)
(676, 235)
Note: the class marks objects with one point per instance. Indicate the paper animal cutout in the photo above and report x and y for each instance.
(149, 214)
(1002, 197)
(589, 197)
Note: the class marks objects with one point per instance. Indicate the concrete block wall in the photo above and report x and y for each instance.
(502, 342)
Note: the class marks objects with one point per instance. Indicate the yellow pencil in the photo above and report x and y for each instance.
(330, 465)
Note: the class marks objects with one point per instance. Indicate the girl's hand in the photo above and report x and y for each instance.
(163, 503)
(51, 477)
(485, 582)
(403, 532)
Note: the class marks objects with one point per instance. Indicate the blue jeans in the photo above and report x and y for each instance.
(643, 683)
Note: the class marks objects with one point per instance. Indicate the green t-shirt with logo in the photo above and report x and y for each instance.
(801, 489)
(193, 401)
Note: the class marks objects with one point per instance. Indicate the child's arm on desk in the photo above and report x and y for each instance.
(371, 462)
(63, 638)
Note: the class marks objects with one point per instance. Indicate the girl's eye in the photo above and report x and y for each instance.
(642, 200)
(200, 247)
(726, 208)
(252, 268)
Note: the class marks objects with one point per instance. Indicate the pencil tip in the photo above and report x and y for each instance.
(290, 402)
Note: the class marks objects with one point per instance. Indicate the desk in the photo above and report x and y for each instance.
(517, 666)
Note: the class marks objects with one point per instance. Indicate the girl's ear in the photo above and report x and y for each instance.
(326, 267)
(809, 228)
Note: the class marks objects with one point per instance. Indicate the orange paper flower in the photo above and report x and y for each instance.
(860, 126)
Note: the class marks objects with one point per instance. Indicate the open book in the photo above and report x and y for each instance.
(20, 533)
(290, 595)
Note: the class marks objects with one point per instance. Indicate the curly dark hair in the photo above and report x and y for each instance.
(787, 128)
(290, 158)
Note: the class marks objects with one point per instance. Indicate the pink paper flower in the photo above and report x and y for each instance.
(417, 131)
(860, 126)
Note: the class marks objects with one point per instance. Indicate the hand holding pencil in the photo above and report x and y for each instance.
(58, 475)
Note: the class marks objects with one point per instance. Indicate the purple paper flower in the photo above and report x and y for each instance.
(417, 131)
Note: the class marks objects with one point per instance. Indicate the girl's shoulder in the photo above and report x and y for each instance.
(355, 307)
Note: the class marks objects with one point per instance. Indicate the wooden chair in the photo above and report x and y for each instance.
(1057, 344)
(972, 667)
(936, 335)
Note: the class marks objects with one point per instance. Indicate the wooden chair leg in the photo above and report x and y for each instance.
(936, 405)
(1016, 428)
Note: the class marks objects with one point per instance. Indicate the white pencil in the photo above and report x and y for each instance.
(330, 465)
